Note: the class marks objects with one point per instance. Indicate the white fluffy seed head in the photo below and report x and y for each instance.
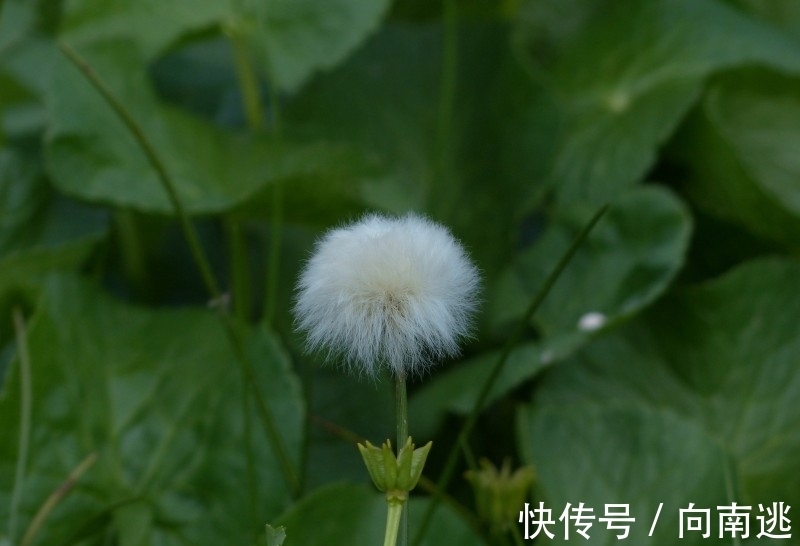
(393, 292)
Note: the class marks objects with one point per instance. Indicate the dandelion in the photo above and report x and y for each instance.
(394, 293)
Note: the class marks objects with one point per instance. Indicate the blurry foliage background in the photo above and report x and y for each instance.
(511, 122)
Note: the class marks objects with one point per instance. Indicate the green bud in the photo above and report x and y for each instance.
(395, 476)
(499, 495)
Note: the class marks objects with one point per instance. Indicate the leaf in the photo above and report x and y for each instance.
(153, 25)
(456, 389)
(93, 156)
(158, 396)
(692, 403)
(784, 14)
(626, 75)
(40, 232)
(628, 261)
(346, 514)
(385, 100)
(298, 37)
(367, 412)
(749, 171)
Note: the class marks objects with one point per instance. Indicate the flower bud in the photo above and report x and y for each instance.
(499, 495)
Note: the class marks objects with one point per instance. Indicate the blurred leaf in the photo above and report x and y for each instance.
(367, 101)
(157, 394)
(679, 407)
(92, 155)
(25, 60)
(367, 412)
(784, 14)
(153, 25)
(626, 74)
(298, 37)
(40, 232)
(749, 171)
(17, 19)
(386, 100)
(629, 260)
(347, 514)
(456, 389)
(295, 38)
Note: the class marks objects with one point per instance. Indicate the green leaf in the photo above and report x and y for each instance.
(385, 99)
(153, 25)
(40, 232)
(692, 403)
(298, 37)
(347, 514)
(748, 173)
(367, 412)
(456, 389)
(627, 262)
(784, 14)
(158, 396)
(626, 74)
(93, 156)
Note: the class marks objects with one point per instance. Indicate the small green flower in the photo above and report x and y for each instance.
(395, 476)
(499, 495)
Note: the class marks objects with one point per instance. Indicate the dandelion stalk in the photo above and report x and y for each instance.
(393, 518)
(469, 424)
(401, 415)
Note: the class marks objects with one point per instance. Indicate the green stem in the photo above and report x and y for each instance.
(133, 258)
(239, 269)
(393, 516)
(252, 482)
(401, 416)
(276, 222)
(401, 409)
(468, 425)
(248, 82)
(55, 497)
(447, 93)
(202, 263)
(26, 401)
(155, 161)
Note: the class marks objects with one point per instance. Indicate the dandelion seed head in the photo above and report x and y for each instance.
(383, 291)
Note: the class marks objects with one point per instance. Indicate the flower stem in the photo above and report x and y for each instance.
(393, 516)
(25, 418)
(401, 409)
(468, 425)
(55, 497)
(447, 95)
(401, 415)
(276, 222)
(248, 82)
